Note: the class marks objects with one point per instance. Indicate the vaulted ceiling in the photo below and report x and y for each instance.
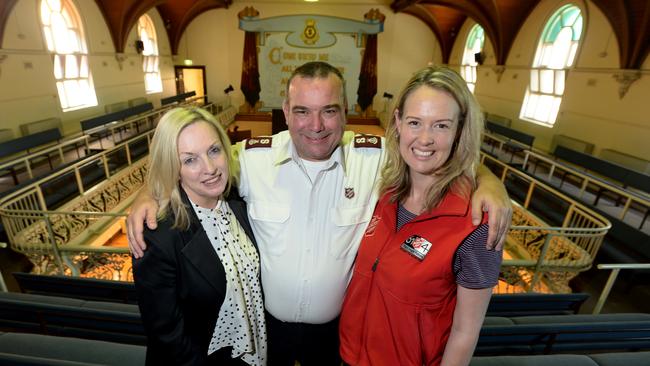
(501, 20)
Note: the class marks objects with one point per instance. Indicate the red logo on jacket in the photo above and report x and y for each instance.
(370, 231)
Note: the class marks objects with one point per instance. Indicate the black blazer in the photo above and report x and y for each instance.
(181, 285)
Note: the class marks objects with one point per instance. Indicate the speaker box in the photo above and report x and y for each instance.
(479, 57)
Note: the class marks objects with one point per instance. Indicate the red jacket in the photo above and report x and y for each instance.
(398, 309)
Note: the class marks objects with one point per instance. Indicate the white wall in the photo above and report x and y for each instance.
(214, 40)
(591, 109)
(27, 86)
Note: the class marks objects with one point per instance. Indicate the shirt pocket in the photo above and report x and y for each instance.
(269, 221)
(349, 225)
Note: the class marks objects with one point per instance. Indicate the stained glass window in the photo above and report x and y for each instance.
(150, 60)
(473, 46)
(555, 54)
(64, 37)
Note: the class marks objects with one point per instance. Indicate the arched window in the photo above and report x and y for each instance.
(555, 53)
(65, 39)
(150, 61)
(473, 46)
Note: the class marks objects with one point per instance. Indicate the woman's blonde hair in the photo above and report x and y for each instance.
(163, 176)
(458, 172)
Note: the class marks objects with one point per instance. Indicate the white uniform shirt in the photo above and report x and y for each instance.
(308, 232)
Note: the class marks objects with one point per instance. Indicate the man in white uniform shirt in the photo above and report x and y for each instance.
(310, 194)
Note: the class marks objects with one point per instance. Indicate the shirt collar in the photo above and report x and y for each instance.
(202, 212)
(287, 152)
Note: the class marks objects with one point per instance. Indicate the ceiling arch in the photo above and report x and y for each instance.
(501, 20)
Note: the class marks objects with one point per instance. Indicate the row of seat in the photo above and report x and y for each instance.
(499, 335)
(20, 349)
(23, 349)
(623, 243)
(47, 136)
(597, 359)
(11, 148)
(124, 292)
(612, 171)
(63, 187)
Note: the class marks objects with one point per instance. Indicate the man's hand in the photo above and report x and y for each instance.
(491, 197)
(144, 208)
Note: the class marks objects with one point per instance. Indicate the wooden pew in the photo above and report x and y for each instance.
(514, 335)
(509, 305)
(516, 140)
(606, 171)
(235, 135)
(71, 317)
(596, 359)
(77, 287)
(177, 98)
(21, 349)
(124, 292)
(564, 333)
(24, 144)
(100, 126)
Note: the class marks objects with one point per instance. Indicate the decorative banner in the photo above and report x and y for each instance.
(250, 77)
(289, 41)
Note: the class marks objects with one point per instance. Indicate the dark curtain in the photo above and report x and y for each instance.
(368, 73)
(250, 74)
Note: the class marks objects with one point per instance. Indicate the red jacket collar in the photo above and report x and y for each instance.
(452, 204)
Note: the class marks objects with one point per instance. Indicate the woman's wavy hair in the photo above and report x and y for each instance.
(163, 176)
(459, 171)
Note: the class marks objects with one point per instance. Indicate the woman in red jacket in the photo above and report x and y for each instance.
(423, 276)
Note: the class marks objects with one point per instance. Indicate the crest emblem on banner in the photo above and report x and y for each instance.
(310, 33)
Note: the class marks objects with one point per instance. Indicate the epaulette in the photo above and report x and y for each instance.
(367, 141)
(261, 141)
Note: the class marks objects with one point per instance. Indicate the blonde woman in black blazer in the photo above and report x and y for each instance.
(189, 298)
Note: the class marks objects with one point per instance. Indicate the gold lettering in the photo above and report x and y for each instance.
(307, 56)
(274, 55)
(289, 55)
(324, 57)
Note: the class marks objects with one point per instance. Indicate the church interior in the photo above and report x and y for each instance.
(563, 85)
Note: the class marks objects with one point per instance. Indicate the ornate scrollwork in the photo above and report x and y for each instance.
(102, 265)
(563, 257)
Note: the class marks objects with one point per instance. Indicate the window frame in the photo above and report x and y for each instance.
(70, 59)
(150, 58)
(547, 81)
(468, 68)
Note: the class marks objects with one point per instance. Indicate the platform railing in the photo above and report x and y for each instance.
(541, 257)
(38, 232)
(148, 119)
(628, 197)
(60, 149)
(613, 275)
(70, 239)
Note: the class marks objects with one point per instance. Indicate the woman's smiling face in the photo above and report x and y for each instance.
(427, 129)
(204, 165)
